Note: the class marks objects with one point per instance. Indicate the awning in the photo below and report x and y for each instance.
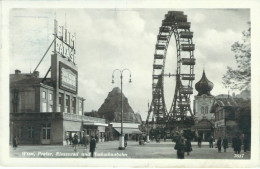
(94, 124)
(128, 130)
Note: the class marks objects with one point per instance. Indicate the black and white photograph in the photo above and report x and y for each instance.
(134, 83)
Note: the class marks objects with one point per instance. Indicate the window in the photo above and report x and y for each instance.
(202, 110)
(44, 95)
(50, 108)
(20, 132)
(30, 132)
(44, 107)
(80, 107)
(206, 109)
(73, 105)
(50, 96)
(46, 131)
(60, 103)
(67, 104)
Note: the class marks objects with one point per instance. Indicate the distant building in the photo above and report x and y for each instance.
(226, 114)
(203, 102)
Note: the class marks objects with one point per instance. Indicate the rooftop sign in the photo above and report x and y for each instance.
(64, 43)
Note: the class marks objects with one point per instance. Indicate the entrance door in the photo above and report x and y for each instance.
(46, 134)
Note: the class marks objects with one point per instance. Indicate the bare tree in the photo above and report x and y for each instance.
(240, 76)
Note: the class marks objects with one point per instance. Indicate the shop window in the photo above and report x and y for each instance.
(44, 95)
(44, 107)
(30, 132)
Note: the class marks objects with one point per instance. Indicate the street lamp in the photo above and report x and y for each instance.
(121, 137)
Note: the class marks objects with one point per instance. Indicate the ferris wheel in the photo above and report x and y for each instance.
(175, 23)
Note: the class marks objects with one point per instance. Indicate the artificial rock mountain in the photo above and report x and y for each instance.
(111, 108)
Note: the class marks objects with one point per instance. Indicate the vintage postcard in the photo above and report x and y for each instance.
(117, 84)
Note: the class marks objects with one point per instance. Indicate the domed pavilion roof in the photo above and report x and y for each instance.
(204, 86)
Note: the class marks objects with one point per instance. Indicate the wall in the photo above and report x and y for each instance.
(24, 139)
(204, 101)
(57, 133)
(26, 99)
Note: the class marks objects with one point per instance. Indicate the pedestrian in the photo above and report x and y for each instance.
(164, 138)
(246, 143)
(15, 142)
(188, 147)
(180, 147)
(92, 146)
(97, 140)
(219, 144)
(85, 141)
(225, 143)
(136, 137)
(199, 141)
(70, 138)
(211, 142)
(75, 141)
(158, 139)
(237, 145)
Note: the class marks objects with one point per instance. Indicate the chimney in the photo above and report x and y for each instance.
(36, 73)
(17, 72)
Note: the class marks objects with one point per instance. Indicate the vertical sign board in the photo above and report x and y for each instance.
(64, 46)
(64, 43)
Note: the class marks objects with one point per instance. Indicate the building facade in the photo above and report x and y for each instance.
(203, 102)
(49, 110)
(226, 113)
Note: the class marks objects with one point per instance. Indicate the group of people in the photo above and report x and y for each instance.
(223, 143)
(182, 145)
(85, 142)
(236, 144)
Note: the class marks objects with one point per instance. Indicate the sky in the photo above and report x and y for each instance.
(108, 39)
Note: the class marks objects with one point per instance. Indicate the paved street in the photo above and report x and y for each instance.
(133, 150)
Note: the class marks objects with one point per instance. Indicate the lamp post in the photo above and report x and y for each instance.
(121, 138)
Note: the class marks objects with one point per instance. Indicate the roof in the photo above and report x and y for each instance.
(204, 86)
(28, 79)
(226, 102)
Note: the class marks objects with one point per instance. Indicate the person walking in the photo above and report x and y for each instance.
(70, 138)
(75, 141)
(85, 141)
(219, 144)
(180, 147)
(92, 146)
(199, 141)
(225, 143)
(15, 143)
(237, 145)
(211, 142)
(188, 147)
(97, 139)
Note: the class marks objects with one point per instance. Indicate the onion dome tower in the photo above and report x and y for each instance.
(204, 86)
